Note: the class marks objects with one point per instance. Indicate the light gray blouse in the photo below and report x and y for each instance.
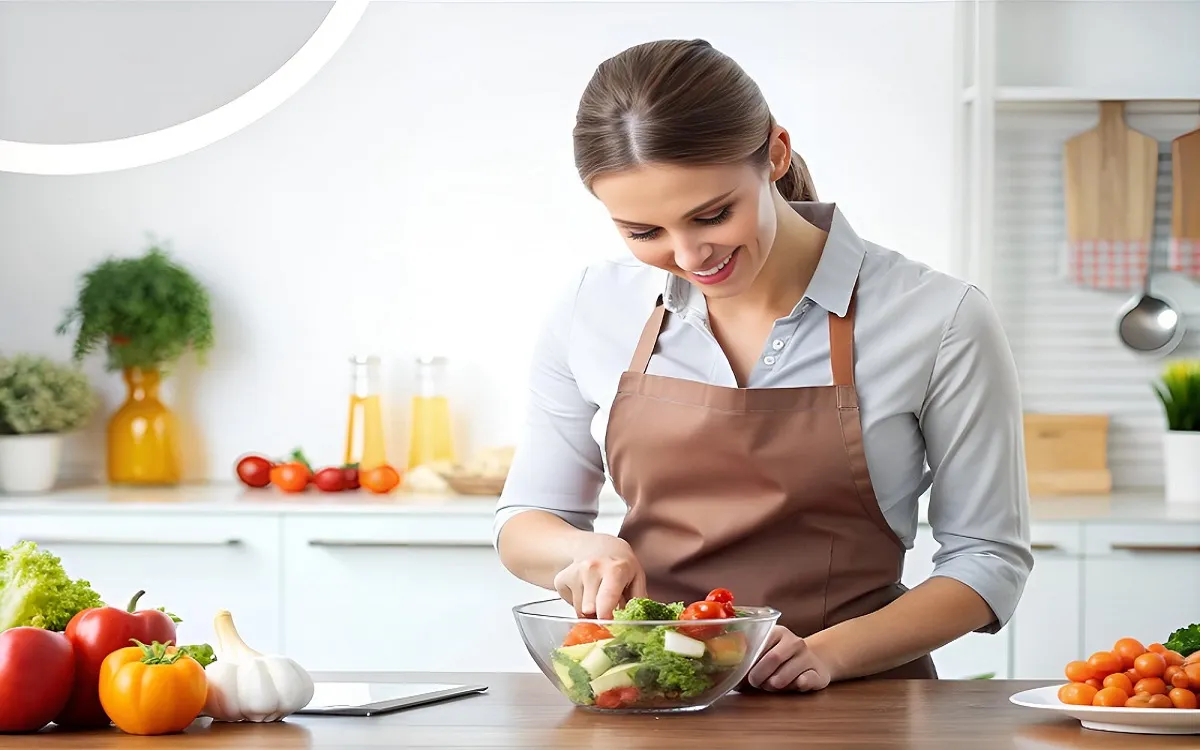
(938, 391)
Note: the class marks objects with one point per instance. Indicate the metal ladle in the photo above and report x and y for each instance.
(1150, 324)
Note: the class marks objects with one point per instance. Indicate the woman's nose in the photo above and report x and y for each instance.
(692, 256)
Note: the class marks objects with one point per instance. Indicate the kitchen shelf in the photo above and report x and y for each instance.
(1069, 95)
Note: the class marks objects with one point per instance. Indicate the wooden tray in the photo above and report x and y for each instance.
(469, 484)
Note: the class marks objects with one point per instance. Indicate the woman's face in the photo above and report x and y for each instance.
(712, 226)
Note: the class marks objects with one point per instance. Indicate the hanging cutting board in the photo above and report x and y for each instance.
(1111, 173)
(1185, 170)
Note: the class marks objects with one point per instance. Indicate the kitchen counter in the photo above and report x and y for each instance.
(525, 711)
(1141, 506)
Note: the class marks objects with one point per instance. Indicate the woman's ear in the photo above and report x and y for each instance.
(780, 152)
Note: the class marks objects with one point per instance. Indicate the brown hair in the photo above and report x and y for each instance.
(677, 102)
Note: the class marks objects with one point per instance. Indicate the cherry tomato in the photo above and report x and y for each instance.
(1159, 700)
(1079, 671)
(380, 480)
(1151, 686)
(1077, 694)
(586, 632)
(254, 470)
(702, 611)
(1128, 649)
(1110, 697)
(1173, 658)
(1095, 682)
(1157, 648)
(1119, 680)
(1176, 677)
(1150, 664)
(292, 476)
(350, 476)
(330, 479)
(1181, 698)
(1106, 663)
(1132, 674)
(1141, 700)
(720, 595)
(1193, 674)
(617, 697)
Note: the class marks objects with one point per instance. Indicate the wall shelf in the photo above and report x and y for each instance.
(1068, 95)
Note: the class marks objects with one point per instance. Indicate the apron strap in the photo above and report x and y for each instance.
(645, 345)
(841, 344)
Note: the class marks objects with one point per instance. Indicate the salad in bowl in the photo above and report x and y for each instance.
(651, 656)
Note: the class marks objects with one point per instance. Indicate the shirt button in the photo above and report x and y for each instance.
(768, 360)
(777, 344)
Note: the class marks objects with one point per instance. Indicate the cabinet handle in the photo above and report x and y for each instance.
(1044, 547)
(51, 541)
(1155, 547)
(443, 543)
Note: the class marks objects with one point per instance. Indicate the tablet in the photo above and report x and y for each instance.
(371, 698)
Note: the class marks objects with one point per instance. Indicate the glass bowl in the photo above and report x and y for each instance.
(642, 666)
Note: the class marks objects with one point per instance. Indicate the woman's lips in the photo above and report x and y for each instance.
(720, 272)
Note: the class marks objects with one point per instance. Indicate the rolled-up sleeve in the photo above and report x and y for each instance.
(974, 435)
(557, 466)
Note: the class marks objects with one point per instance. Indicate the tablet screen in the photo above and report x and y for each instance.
(350, 694)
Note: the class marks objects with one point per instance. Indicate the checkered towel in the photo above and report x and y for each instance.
(1184, 256)
(1104, 264)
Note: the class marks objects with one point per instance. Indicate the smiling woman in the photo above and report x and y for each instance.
(770, 393)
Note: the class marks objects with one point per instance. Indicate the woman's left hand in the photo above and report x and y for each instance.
(788, 663)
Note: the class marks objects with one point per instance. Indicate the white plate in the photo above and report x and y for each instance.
(1131, 720)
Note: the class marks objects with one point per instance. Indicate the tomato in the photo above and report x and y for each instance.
(1094, 682)
(1128, 649)
(292, 476)
(350, 476)
(37, 671)
(150, 689)
(702, 611)
(618, 697)
(723, 596)
(1193, 674)
(1150, 685)
(1141, 700)
(1106, 663)
(1173, 658)
(1132, 674)
(1077, 694)
(1159, 700)
(254, 470)
(380, 480)
(1176, 677)
(330, 480)
(1119, 680)
(1157, 648)
(1079, 671)
(1181, 698)
(1110, 697)
(1150, 664)
(586, 632)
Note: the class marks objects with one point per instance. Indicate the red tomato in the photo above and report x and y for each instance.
(330, 480)
(617, 697)
(292, 476)
(719, 595)
(350, 476)
(702, 611)
(586, 632)
(37, 671)
(254, 471)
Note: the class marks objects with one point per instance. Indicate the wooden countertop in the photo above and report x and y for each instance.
(524, 711)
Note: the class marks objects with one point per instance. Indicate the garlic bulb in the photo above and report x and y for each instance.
(245, 685)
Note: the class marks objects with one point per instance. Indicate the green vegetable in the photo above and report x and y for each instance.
(648, 609)
(202, 653)
(575, 679)
(1185, 640)
(35, 590)
(670, 672)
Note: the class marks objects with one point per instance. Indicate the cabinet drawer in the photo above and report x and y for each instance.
(192, 564)
(1053, 538)
(1112, 539)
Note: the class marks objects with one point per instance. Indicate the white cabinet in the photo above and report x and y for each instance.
(1046, 629)
(972, 655)
(1140, 581)
(373, 592)
(192, 564)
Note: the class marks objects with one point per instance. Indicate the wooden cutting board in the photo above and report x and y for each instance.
(1185, 169)
(1111, 173)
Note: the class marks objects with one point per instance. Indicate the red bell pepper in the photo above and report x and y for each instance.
(95, 633)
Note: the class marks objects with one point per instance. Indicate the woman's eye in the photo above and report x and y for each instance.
(649, 234)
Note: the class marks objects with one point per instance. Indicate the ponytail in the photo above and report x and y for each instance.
(797, 184)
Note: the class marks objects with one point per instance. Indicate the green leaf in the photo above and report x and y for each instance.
(202, 653)
(1178, 390)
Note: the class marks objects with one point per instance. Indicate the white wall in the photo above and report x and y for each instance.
(420, 194)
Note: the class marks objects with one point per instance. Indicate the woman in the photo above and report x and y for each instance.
(766, 410)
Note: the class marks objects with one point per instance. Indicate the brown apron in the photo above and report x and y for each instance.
(763, 491)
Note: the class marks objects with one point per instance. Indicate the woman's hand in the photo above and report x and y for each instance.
(604, 575)
(788, 663)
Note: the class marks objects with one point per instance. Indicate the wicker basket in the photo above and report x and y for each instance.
(473, 484)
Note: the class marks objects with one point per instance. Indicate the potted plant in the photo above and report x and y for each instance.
(1178, 389)
(145, 312)
(40, 401)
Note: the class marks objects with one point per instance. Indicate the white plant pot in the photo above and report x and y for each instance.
(29, 463)
(1181, 465)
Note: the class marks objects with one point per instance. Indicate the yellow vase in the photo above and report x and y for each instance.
(142, 442)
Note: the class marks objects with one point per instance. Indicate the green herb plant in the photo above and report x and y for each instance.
(39, 395)
(1178, 388)
(146, 312)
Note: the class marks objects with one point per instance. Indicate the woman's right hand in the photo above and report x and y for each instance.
(604, 575)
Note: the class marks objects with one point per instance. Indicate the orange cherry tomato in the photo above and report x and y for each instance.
(1181, 698)
(1193, 674)
(586, 632)
(1079, 671)
(1095, 682)
(292, 476)
(1173, 658)
(1150, 664)
(1077, 694)
(1128, 649)
(1119, 680)
(1141, 700)
(1157, 648)
(1159, 700)
(380, 480)
(1176, 677)
(1132, 674)
(1151, 686)
(1106, 663)
(1110, 697)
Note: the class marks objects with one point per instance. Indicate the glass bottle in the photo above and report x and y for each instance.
(364, 432)
(432, 439)
(142, 441)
